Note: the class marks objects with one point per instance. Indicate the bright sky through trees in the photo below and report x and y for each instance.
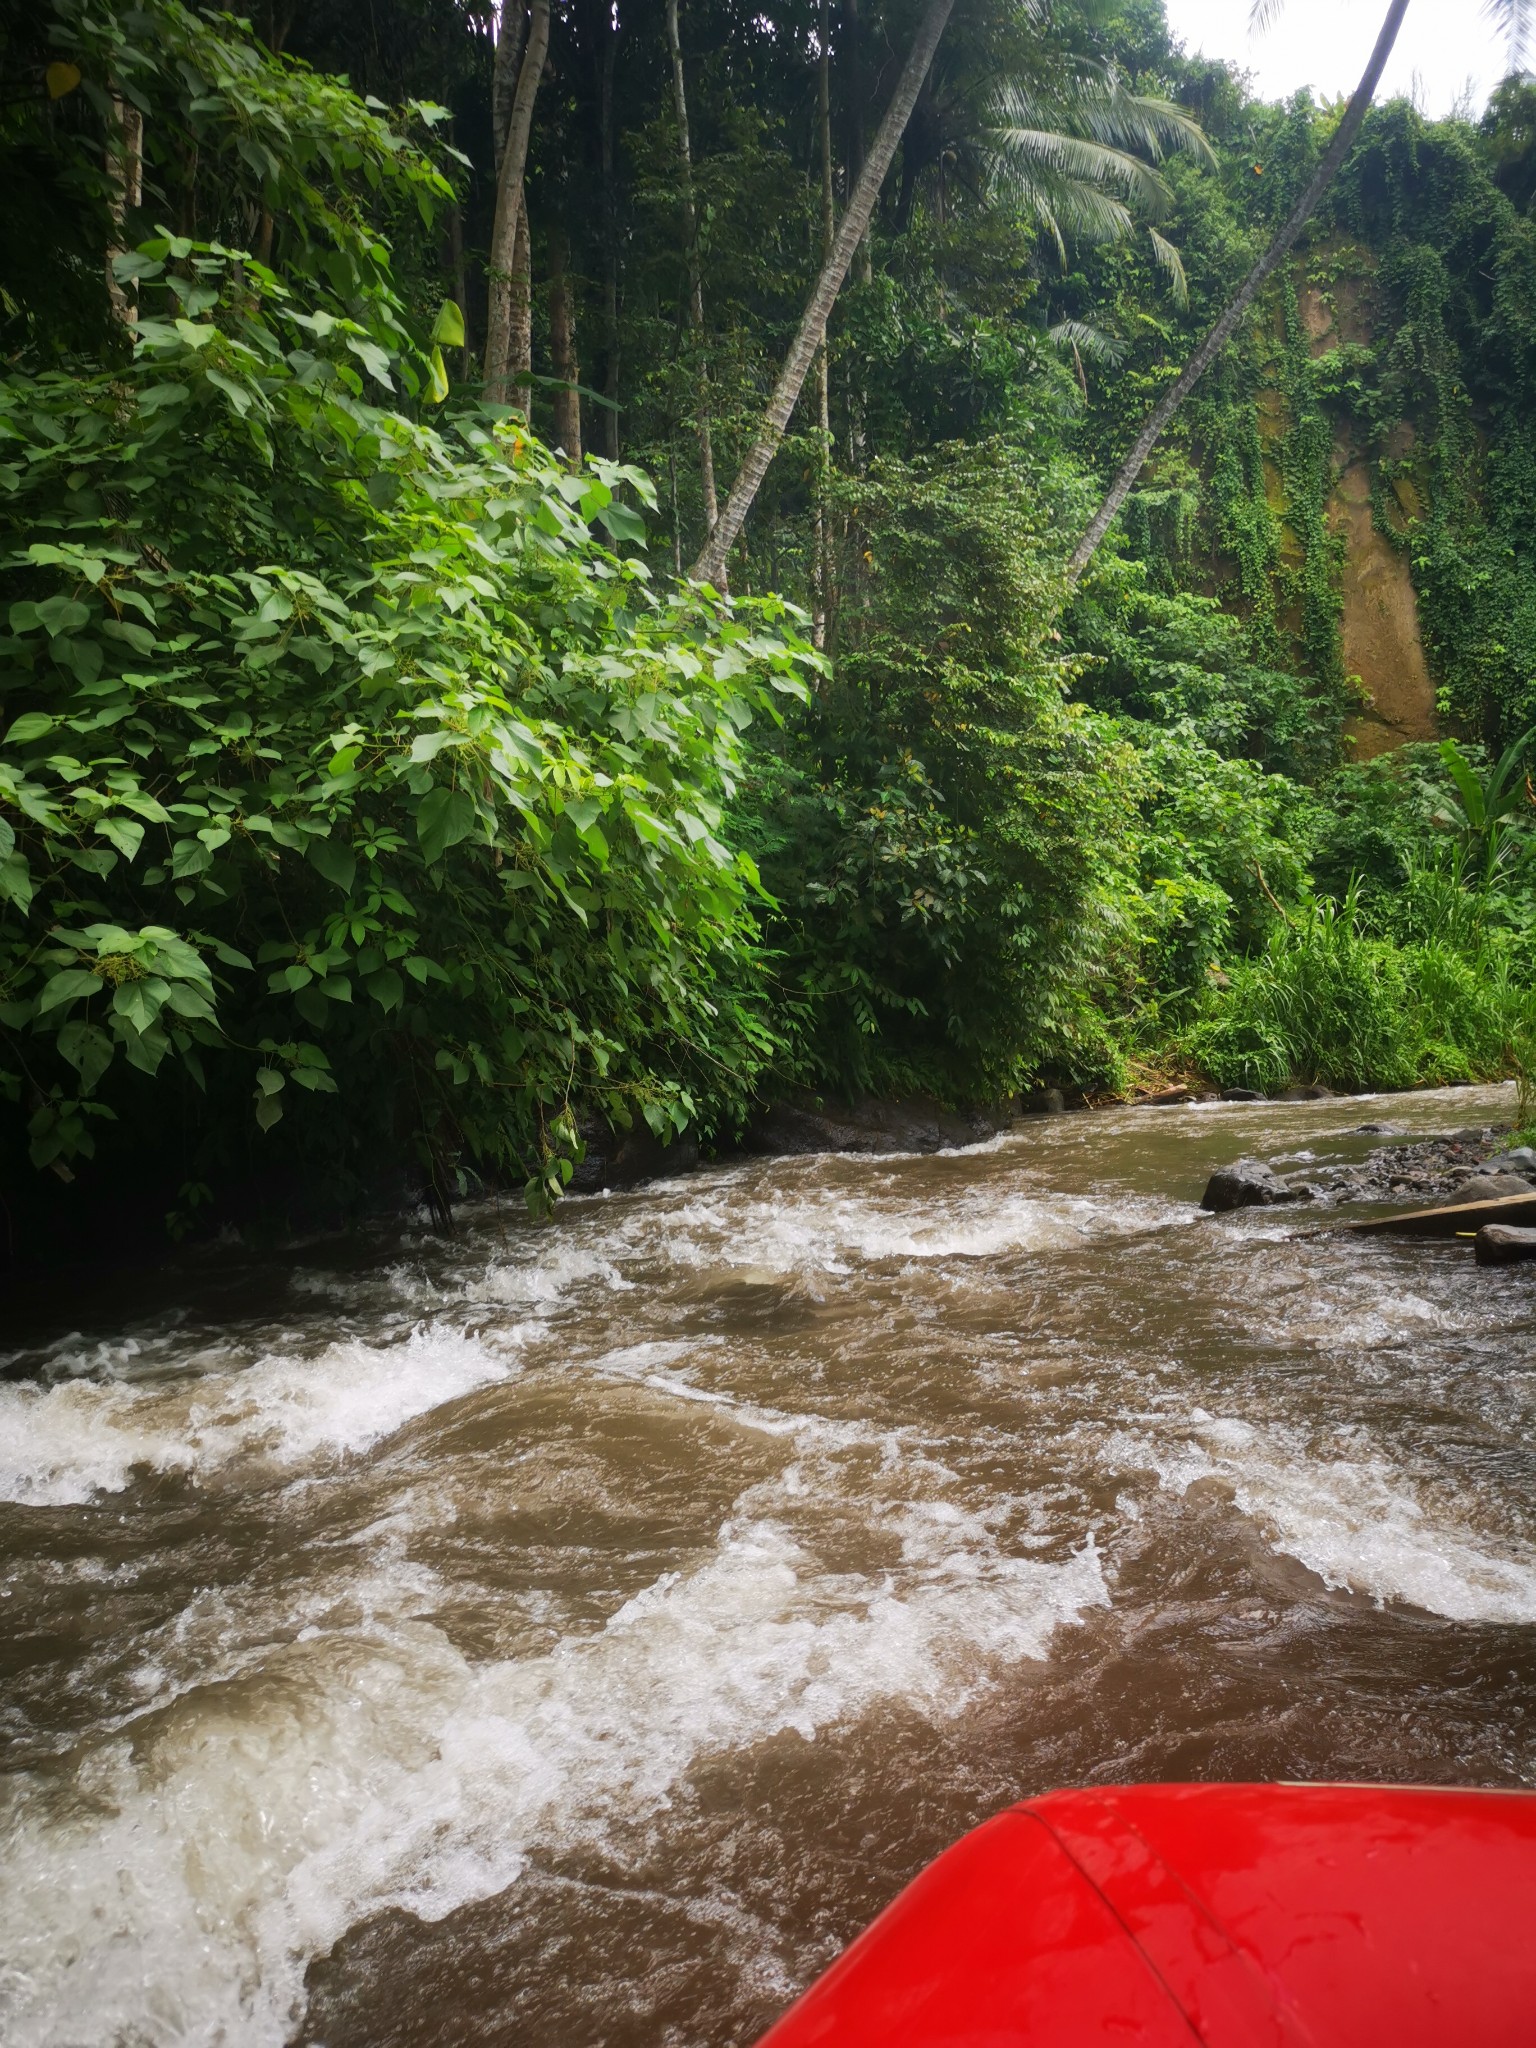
(1444, 44)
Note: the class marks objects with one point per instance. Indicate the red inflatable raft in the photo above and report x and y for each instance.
(1234, 1916)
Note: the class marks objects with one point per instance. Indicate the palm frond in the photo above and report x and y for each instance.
(1080, 159)
(1079, 155)
(1092, 342)
(1516, 18)
(1168, 260)
(1095, 103)
(1064, 205)
(1262, 13)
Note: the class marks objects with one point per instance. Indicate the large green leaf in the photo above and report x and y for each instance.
(448, 327)
(337, 862)
(88, 1050)
(443, 818)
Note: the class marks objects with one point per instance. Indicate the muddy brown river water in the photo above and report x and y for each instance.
(571, 1636)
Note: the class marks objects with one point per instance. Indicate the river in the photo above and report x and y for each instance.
(571, 1635)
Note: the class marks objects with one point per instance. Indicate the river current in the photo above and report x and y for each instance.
(572, 1635)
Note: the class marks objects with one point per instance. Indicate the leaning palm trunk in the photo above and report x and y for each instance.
(695, 273)
(510, 206)
(813, 323)
(1226, 326)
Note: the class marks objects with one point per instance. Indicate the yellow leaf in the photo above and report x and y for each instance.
(62, 78)
(437, 378)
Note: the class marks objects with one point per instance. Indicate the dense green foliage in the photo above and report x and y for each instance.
(372, 792)
(349, 759)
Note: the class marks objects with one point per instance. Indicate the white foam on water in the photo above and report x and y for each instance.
(1352, 1519)
(525, 1268)
(64, 1444)
(1344, 1312)
(656, 1366)
(175, 1890)
(826, 1230)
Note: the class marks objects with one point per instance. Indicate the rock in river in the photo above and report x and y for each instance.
(1494, 1187)
(1522, 1160)
(1504, 1244)
(1247, 1184)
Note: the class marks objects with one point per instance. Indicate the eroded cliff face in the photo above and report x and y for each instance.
(1382, 645)
(1379, 622)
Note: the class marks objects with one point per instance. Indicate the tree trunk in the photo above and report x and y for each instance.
(1226, 326)
(856, 106)
(695, 274)
(610, 243)
(821, 571)
(125, 173)
(460, 271)
(813, 323)
(562, 345)
(511, 39)
(510, 209)
(520, 311)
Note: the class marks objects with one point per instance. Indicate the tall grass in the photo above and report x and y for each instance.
(1330, 1002)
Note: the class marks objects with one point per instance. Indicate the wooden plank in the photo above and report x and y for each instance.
(1462, 1217)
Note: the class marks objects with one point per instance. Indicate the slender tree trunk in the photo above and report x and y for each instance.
(813, 323)
(511, 39)
(510, 209)
(562, 344)
(502, 292)
(695, 274)
(520, 312)
(125, 172)
(460, 270)
(610, 244)
(1226, 326)
(821, 575)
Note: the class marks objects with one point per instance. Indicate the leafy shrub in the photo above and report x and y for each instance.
(344, 754)
(1178, 659)
(939, 829)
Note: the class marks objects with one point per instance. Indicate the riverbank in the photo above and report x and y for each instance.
(266, 1215)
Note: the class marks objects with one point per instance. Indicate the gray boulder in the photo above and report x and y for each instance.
(1246, 1184)
(1493, 1187)
(1522, 1160)
(1504, 1244)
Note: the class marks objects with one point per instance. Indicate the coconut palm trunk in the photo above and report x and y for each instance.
(813, 323)
(1339, 148)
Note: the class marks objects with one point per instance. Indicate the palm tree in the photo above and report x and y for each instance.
(1514, 15)
(1078, 156)
(813, 322)
(1064, 147)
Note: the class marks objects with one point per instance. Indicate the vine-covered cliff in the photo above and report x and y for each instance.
(1356, 479)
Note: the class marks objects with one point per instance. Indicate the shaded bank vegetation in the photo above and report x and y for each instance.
(378, 797)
